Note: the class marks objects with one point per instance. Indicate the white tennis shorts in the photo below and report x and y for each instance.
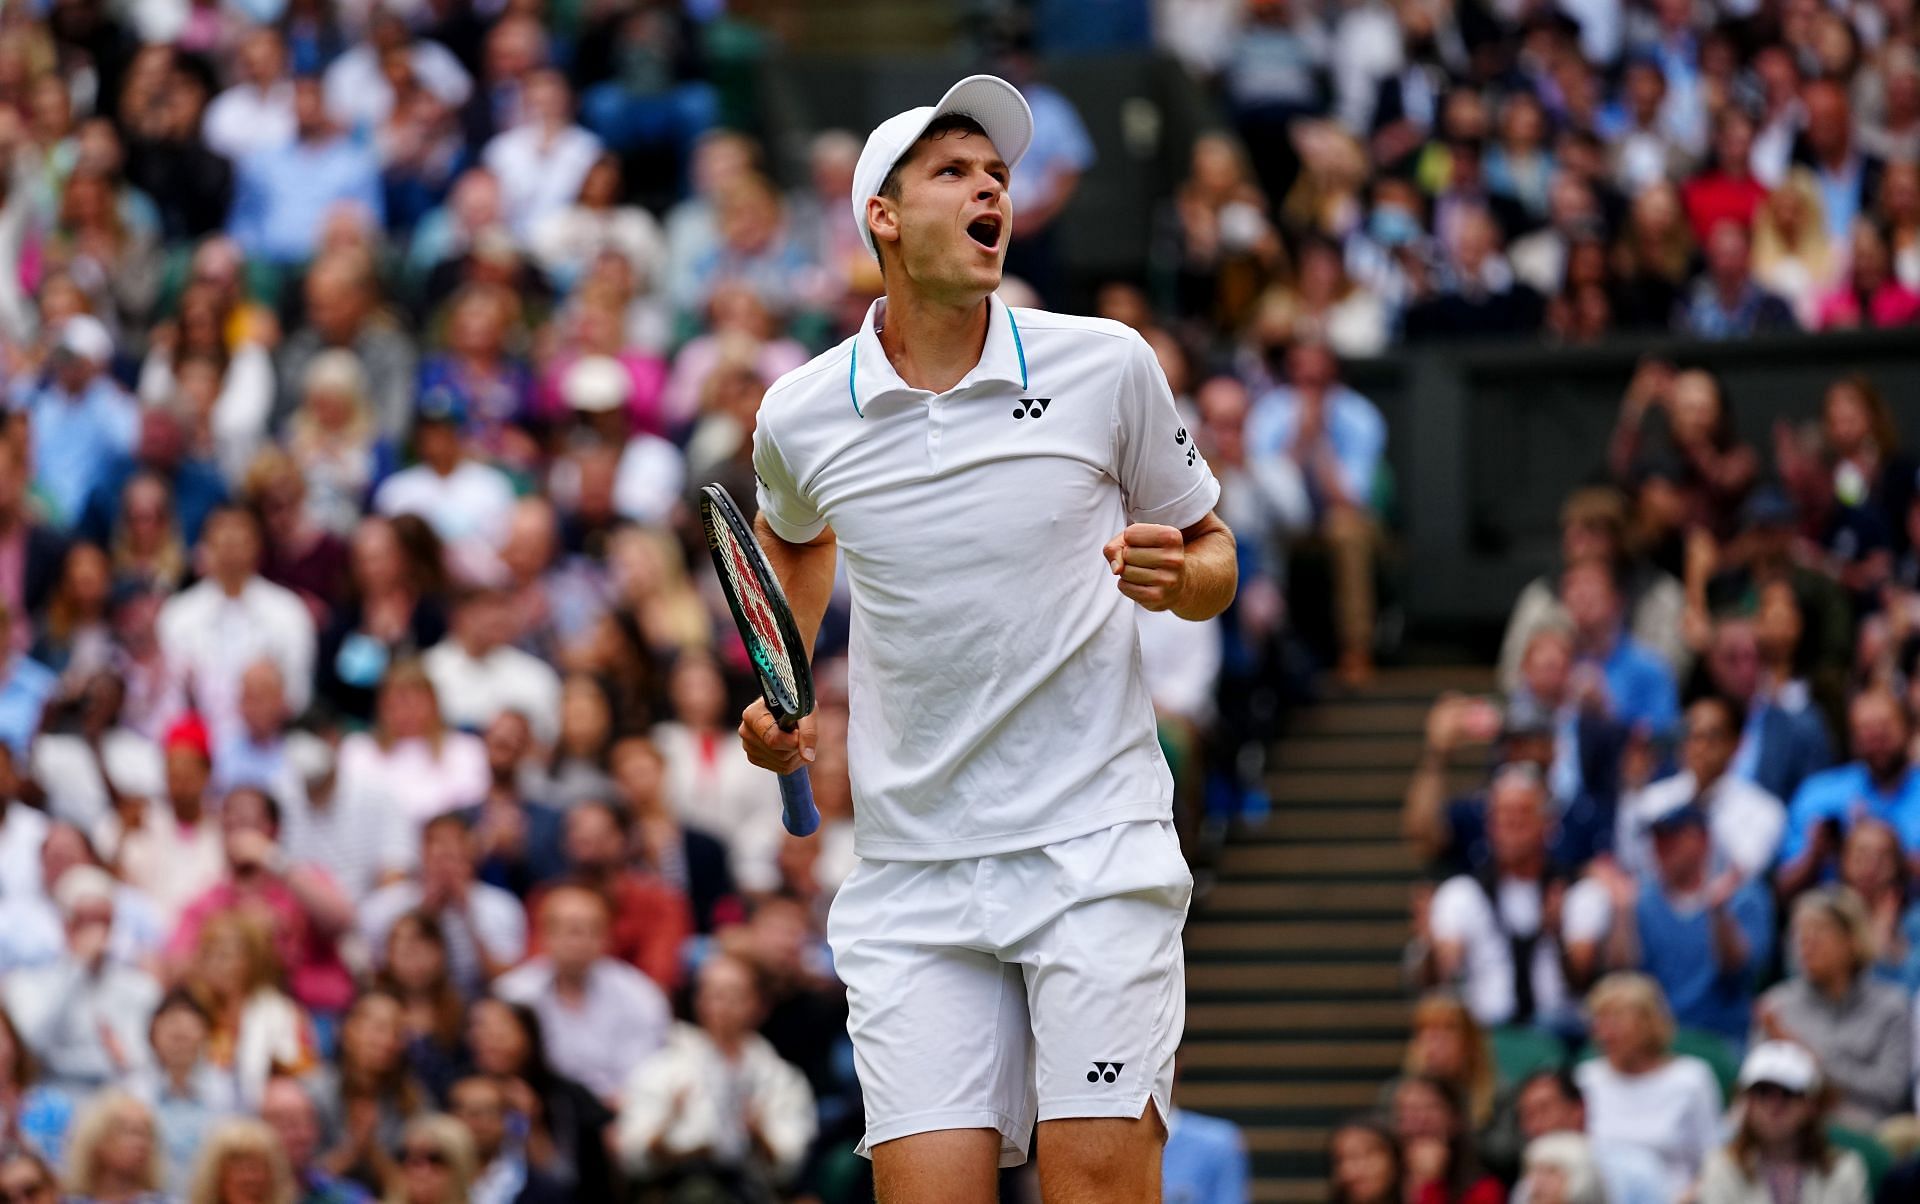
(993, 991)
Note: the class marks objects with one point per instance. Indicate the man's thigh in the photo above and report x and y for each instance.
(1102, 1159)
(946, 1166)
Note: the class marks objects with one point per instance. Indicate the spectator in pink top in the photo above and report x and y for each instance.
(1871, 296)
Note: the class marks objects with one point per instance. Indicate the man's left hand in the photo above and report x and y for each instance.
(1151, 563)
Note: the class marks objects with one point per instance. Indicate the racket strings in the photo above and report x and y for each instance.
(767, 648)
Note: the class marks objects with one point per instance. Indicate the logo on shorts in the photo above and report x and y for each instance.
(1031, 407)
(1105, 1072)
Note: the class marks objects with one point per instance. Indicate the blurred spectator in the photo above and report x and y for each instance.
(566, 1121)
(1436, 1143)
(544, 159)
(84, 1017)
(481, 1103)
(709, 779)
(162, 452)
(368, 1094)
(1727, 191)
(1700, 929)
(1880, 784)
(1560, 1166)
(1794, 253)
(1549, 1102)
(283, 194)
(1448, 1044)
(1780, 1136)
(257, 1030)
(602, 1016)
(242, 1163)
(1828, 146)
(26, 1177)
(188, 1095)
(686, 857)
(482, 675)
(1873, 866)
(1612, 671)
(288, 1109)
(485, 927)
(359, 92)
(233, 618)
(1336, 437)
(651, 920)
(518, 837)
(393, 614)
(1783, 740)
(411, 758)
(170, 849)
(115, 1156)
(1858, 1028)
(1716, 468)
(1511, 936)
(1638, 1092)
(1871, 296)
(1744, 822)
(342, 310)
(417, 971)
(1725, 303)
(256, 113)
(716, 1104)
(1365, 1164)
(465, 500)
(79, 416)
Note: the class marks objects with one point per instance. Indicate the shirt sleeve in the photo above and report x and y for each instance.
(1587, 913)
(791, 515)
(1454, 915)
(1162, 473)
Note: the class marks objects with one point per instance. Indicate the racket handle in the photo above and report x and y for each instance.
(796, 803)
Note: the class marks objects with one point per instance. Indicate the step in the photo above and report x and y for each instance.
(1207, 1019)
(1327, 823)
(1260, 898)
(1288, 1191)
(1286, 1139)
(1203, 1096)
(1317, 861)
(1238, 936)
(1380, 786)
(1427, 679)
(1378, 979)
(1350, 752)
(1364, 719)
(1379, 1057)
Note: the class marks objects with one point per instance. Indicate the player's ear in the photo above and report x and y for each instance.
(882, 219)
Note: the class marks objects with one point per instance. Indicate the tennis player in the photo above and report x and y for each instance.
(1006, 485)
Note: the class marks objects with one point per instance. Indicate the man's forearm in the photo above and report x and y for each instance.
(1211, 573)
(805, 572)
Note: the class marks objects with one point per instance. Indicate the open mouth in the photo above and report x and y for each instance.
(985, 231)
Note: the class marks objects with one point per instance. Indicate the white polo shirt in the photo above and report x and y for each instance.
(997, 702)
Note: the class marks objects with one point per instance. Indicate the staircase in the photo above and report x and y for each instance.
(1296, 1008)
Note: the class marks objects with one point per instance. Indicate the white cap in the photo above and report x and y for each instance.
(83, 335)
(1783, 1064)
(81, 885)
(596, 384)
(993, 102)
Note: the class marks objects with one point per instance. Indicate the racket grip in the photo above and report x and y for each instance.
(796, 803)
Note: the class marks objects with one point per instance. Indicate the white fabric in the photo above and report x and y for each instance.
(171, 864)
(1746, 823)
(32, 932)
(211, 640)
(273, 1032)
(1461, 914)
(567, 241)
(63, 1011)
(994, 991)
(1181, 662)
(649, 480)
(359, 96)
(972, 540)
(689, 1099)
(1672, 1110)
(493, 918)
(539, 175)
(621, 1020)
(247, 118)
(716, 789)
(22, 831)
(358, 836)
(473, 691)
(471, 504)
(420, 784)
(993, 102)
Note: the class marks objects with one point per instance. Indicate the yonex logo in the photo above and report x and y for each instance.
(1031, 407)
(1105, 1072)
(1180, 440)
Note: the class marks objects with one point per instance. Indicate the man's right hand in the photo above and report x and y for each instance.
(768, 746)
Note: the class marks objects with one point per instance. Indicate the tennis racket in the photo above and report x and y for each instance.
(772, 637)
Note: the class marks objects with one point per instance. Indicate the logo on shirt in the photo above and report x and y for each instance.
(1180, 440)
(1105, 1072)
(1031, 407)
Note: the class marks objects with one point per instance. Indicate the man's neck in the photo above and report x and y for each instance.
(233, 587)
(187, 813)
(1525, 869)
(1890, 778)
(933, 344)
(570, 983)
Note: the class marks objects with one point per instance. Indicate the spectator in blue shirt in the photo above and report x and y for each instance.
(1205, 1161)
(25, 686)
(1880, 783)
(282, 195)
(1614, 672)
(1725, 303)
(1703, 931)
(1337, 438)
(79, 418)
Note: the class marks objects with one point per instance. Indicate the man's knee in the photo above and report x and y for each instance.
(947, 1166)
(1102, 1160)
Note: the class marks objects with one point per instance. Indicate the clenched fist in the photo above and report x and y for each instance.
(1151, 563)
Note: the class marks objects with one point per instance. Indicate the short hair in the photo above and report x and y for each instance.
(180, 1000)
(1564, 1084)
(272, 805)
(1736, 715)
(939, 127)
(1843, 907)
(1639, 991)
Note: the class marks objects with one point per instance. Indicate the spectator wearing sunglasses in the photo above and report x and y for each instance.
(436, 1163)
(1781, 1137)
